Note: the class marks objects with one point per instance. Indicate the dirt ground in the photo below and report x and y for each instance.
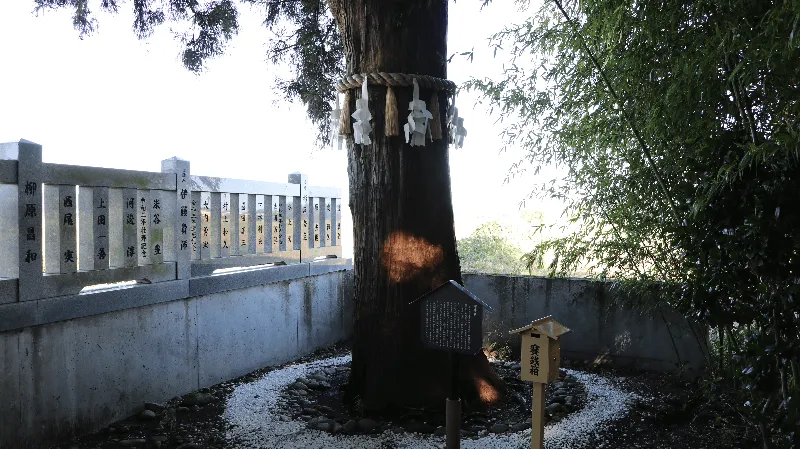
(679, 414)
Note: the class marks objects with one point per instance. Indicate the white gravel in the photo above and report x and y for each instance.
(249, 412)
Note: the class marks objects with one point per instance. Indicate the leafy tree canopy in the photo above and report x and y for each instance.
(499, 246)
(487, 250)
(677, 121)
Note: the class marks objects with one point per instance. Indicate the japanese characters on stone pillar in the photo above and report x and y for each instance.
(51, 228)
(100, 220)
(235, 226)
(205, 229)
(337, 225)
(262, 242)
(182, 224)
(85, 228)
(143, 227)
(194, 226)
(225, 238)
(325, 220)
(216, 224)
(204, 226)
(315, 223)
(303, 226)
(158, 221)
(30, 219)
(282, 223)
(274, 228)
(292, 212)
(68, 230)
(251, 224)
(129, 228)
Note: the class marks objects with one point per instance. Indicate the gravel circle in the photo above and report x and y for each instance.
(252, 422)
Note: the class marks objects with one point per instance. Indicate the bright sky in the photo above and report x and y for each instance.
(111, 100)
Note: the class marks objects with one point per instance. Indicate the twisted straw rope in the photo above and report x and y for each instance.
(396, 79)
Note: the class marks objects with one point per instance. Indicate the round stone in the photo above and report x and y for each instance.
(350, 426)
(553, 409)
(498, 428)
(328, 425)
(154, 406)
(147, 415)
(519, 427)
(367, 424)
(197, 399)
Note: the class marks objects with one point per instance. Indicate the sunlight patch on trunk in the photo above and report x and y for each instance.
(405, 256)
(487, 392)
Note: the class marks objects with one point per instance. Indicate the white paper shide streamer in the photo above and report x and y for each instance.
(362, 116)
(417, 120)
(336, 114)
(455, 126)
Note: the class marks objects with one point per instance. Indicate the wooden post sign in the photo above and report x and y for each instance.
(451, 319)
(540, 360)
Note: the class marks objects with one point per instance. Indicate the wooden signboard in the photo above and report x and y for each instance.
(541, 358)
(540, 361)
(452, 319)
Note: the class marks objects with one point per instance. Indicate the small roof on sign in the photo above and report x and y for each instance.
(546, 325)
(451, 284)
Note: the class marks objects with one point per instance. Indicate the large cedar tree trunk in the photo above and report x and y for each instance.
(404, 239)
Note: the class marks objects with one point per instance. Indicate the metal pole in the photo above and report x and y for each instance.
(453, 408)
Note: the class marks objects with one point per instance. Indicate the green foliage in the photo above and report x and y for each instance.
(305, 36)
(710, 91)
(487, 250)
(499, 248)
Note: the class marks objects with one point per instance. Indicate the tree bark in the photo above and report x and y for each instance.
(404, 238)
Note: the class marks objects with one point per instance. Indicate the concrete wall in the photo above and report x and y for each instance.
(600, 332)
(70, 377)
(74, 364)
